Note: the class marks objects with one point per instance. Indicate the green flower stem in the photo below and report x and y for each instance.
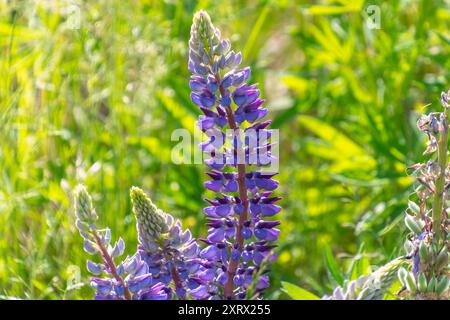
(439, 192)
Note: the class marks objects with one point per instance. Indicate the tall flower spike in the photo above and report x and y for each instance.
(239, 238)
(371, 287)
(426, 218)
(128, 280)
(170, 252)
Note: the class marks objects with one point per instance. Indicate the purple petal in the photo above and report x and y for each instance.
(268, 210)
(205, 123)
(215, 185)
(231, 186)
(223, 210)
(266, 184)
(196, 86)
(139, 283)
(256, 115)
(263, 282)
(216, 235)
(210, 253)
(267, 234)
(238, 280)
(255, 208)
(246, 233)
(238, 208)
(201, 292)
(222, 278)
(206, 275)
(94, 268)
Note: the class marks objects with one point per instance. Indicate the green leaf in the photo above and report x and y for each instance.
(360, 265)
(443, 38)
(333, 266)
(345, 153)
(250, 49)
(298, 293)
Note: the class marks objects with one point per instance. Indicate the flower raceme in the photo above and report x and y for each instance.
(239, 239)
(131, 279)
(166, 260)
(371, 287)
(427, 247)
(170, 252)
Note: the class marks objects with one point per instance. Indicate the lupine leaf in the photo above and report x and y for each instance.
(298, 293)
(332, 266)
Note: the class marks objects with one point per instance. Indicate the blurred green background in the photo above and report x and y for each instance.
(97, 105)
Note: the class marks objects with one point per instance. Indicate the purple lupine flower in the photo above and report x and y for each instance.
(238, 241)
(170, 252)
(136, 277)
(130, 279)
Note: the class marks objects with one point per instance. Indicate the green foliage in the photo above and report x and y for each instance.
(97, 105)
(298, 293)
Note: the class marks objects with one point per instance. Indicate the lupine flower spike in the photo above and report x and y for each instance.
(170, 252)
(128, 280)
(239, 238)
(426, 218)
(371, 287)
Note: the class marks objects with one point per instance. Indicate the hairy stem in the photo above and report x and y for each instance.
(177, 281)
(112, 267)
(233, 264)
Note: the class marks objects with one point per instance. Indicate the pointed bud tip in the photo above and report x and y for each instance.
(137, 193)
(84, 209)
(202, 16)
(143, 205)
(80, 190)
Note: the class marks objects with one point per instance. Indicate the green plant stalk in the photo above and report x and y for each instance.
(439, 197)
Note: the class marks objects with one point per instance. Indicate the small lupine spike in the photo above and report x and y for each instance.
(171, 253)
(371, 287)
(84, 210)
(151, 221)
(202, 27)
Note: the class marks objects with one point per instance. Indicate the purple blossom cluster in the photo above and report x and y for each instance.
(239, 239)
(131, 278)
(170, 252)
(169, 262)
